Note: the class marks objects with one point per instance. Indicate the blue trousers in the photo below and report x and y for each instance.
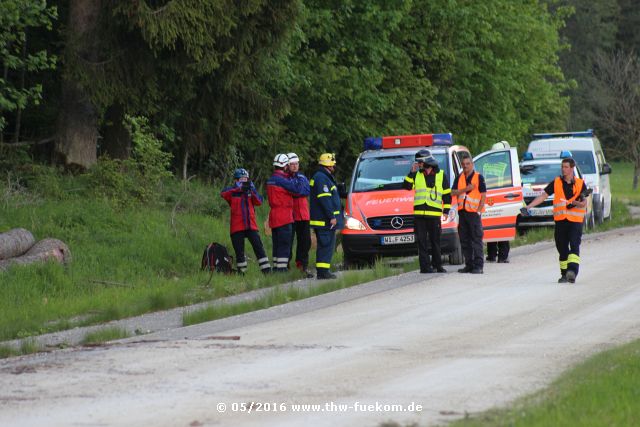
(326, 246)
(281, 240)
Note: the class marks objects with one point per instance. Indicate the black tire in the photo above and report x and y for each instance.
(455, 257)
(599, 212)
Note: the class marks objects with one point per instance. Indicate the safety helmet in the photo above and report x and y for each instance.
(500, 145)
(240, 173)
(327, 159)
(425, 156)
(280, 160)
(293, 158)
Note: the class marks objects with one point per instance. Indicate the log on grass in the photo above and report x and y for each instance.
(44, 250)
(15, 242)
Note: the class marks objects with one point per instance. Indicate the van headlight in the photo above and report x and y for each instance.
(354, 224)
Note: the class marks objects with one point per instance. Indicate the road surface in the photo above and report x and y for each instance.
(435, 348)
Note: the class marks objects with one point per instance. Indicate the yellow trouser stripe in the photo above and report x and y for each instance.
(316, 223)
(323, 265)
(563, 265)
(573, 258)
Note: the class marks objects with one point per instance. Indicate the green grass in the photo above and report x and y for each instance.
(279, 296)
(621, 180)
(27, 347)
(104, 335)
(602, 391)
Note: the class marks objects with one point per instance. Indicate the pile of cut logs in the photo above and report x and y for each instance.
(18, 246)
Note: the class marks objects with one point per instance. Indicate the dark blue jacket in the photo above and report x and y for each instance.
(324, 200)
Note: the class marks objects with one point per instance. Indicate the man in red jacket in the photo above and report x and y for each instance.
(281, 187)
(242, 197)
(301, 217)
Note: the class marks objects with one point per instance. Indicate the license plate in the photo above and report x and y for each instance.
(542, 212)
(397, 240)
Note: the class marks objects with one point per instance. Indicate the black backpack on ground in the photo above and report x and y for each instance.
(216, 258)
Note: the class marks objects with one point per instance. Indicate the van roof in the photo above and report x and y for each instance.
(551, 144)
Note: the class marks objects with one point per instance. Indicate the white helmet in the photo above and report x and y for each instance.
(293, 158)
(500, 145)
(280, 160)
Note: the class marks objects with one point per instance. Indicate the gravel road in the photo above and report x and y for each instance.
(436, 346)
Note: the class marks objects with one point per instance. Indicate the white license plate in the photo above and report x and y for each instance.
(397, 240)
(542, 212)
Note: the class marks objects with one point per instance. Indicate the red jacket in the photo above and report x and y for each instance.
(300, 202)
(243, 214)
(281, 188)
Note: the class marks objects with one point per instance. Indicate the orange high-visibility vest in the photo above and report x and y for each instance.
(560, 202)
(473, 197)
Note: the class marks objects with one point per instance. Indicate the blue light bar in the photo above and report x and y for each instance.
(584, 134)
(527, 156)
(565, 154)
(373, 143)
(442, 139)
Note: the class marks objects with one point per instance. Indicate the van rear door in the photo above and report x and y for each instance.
(501, 172)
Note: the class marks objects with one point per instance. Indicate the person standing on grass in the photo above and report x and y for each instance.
(242, 197)
(301, 217)
(281, 187)
(471, 191)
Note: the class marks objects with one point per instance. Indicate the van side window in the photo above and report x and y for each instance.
(496, 169)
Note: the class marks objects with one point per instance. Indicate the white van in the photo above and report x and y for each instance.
(587, 152)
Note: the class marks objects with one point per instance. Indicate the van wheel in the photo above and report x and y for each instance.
(599, 213)
(455, 257)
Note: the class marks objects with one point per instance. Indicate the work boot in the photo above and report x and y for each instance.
(503, 261)
(325, 275)
(562, 279)
(477, 271)
(465, 269)
(571, 276)
(489, 259)
(441, 269)
(427, 271)
(307, 274)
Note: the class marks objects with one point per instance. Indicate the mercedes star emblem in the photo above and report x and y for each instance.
(397, 222)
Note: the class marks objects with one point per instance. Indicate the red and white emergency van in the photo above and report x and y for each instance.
(379, 212)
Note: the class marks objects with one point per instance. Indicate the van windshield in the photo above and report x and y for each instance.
(538, 174)
(584, 159)
(387, 173)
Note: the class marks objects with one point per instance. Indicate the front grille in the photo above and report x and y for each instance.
(384, 222)
(546, 203)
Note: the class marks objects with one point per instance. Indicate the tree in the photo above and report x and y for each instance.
(617, 77)
(17, 17)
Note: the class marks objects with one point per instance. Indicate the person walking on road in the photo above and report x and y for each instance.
(326, 213)
(471, 190)
(569, 210)
(281, 188)
(432, 200)
(242, 198)
(301, 231)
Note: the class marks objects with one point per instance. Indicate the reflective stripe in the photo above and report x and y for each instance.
(573, 258)
(563, 265)
(406, 178)
(242, 264)
(311, 183)
(320, 223)
(324, 195)
(336, 212)
(332, 188)
(322, 265)
(446, 206)
(265, 266)
(429, 213)
(263, 260)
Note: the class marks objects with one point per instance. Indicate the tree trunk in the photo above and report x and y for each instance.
(636, 173)
(15, 242)
(16, 135)
(44, 250)
(76, 145)
(116, 141)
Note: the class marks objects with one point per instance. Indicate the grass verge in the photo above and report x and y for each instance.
(602, 391)
(104, 335)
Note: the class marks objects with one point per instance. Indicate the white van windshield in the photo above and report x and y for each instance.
(584, 159)
(387, 173)
(542, 173)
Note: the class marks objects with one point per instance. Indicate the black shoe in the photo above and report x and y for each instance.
(326, 276)
(307, 274)
(427, 271)
(562, 279)
(489, 259)
(477, 271)
(503, 261)
(441, 270)
(466, 269)
(571, 276)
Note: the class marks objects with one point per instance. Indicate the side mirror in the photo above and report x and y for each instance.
(606, 169)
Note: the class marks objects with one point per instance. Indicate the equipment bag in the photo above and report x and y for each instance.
(217, 258)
